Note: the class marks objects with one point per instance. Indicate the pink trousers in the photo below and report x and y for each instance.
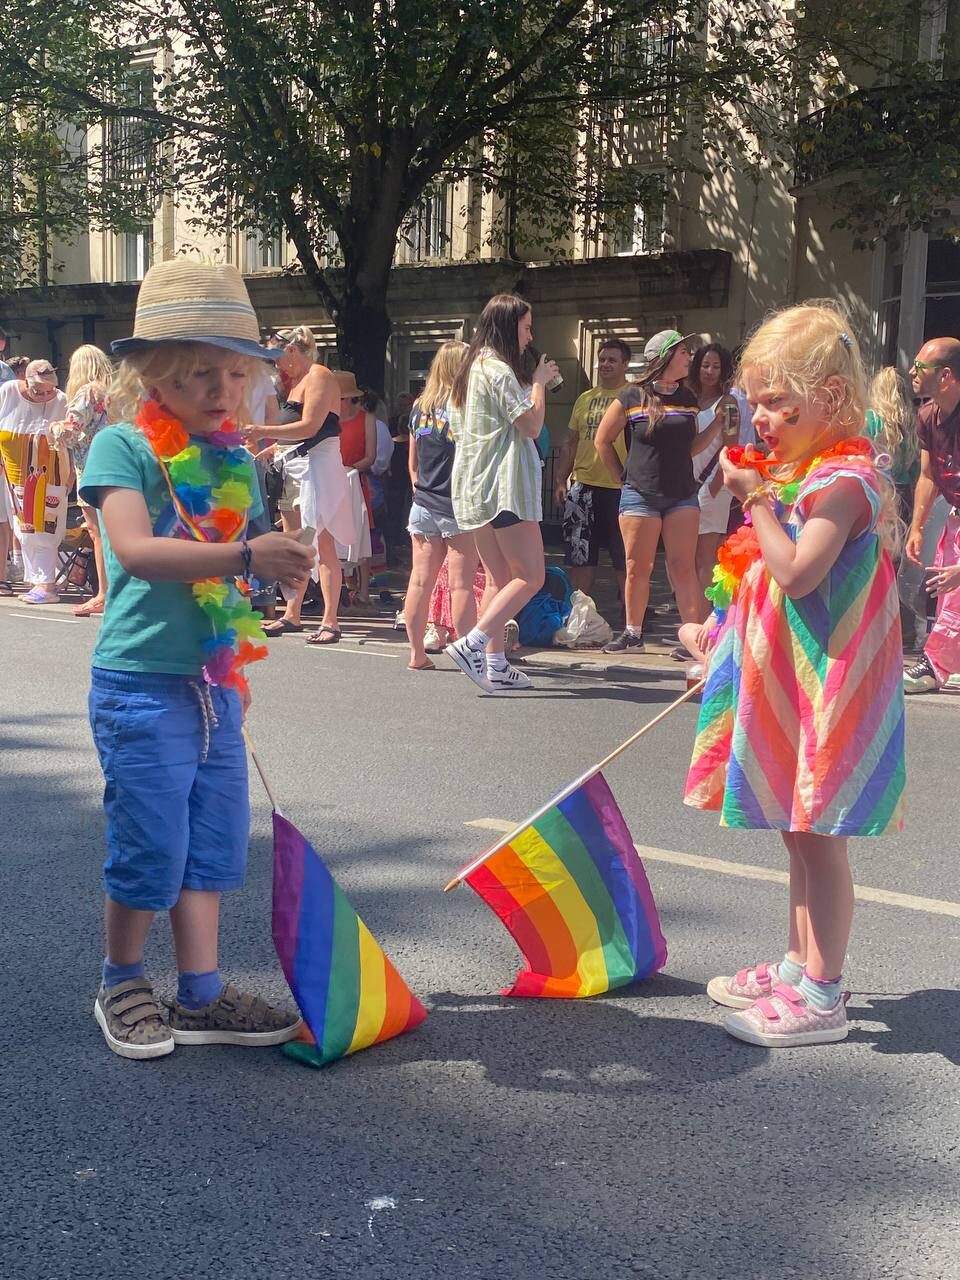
(943, 643)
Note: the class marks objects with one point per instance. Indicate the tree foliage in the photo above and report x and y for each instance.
(331, 123)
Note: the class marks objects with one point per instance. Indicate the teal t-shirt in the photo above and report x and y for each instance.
(147, 626)
(904, 468)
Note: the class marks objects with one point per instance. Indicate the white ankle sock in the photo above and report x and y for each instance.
(477, 639)
(634, 631)
(496, 662)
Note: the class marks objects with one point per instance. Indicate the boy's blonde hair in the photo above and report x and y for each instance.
(888, 398)
(443, 369)
(140, 371)
(799, 350)
(87, 364)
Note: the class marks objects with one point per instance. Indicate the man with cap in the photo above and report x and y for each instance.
(935, 374)
(659, 494)
(35, 477)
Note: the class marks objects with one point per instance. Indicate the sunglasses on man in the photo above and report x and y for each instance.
(918, 366)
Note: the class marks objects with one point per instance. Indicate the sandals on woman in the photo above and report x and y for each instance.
(88, 608)
(324, 635)
(280, 627)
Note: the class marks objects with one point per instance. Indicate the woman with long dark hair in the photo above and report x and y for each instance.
(659, 493)
(497, 478)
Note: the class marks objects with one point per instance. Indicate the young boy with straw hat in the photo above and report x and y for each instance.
(175, 489)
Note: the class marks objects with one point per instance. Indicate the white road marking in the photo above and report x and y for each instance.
(48, 617)
(748, 871)
(363, 652)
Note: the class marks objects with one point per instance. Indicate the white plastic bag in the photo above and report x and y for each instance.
(584, 629)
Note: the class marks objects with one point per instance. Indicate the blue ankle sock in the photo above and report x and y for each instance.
(116, 973)
(790, 972)
(820, 994)
(194, 990)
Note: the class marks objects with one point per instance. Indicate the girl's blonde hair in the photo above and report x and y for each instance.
(87, 364)
(443, 370)
(799, 350)
(889, 400)
(140, 372)
(301, 337)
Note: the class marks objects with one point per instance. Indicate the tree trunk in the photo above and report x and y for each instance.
(363, 331)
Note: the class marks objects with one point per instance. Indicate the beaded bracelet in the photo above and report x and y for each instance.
(760, 494)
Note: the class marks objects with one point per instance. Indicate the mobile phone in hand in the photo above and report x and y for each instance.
(730, 425)
(307, 537)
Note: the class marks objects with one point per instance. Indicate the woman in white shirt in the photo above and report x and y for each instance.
(497, 479)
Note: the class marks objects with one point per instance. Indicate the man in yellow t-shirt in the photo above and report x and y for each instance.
(591, 504)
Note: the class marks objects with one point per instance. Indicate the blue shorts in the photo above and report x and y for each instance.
(635, 503)
(427, 524)
(176, 794)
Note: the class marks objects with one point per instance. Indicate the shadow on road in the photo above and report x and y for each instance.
(586, 1047)
(917, 1022)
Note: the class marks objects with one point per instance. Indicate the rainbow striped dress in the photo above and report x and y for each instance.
(801, 724)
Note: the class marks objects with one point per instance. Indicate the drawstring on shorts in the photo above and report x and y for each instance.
(207, 713)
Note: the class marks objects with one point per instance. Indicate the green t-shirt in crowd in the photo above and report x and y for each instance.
(147, 626)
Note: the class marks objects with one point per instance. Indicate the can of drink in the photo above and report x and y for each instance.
(555, 383)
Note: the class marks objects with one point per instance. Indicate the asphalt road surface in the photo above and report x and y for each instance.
(620, 1136)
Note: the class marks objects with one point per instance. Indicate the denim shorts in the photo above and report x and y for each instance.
(635, 503)
(176, 796)
(427, 524)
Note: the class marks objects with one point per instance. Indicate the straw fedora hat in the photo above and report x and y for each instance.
(348, 385)
(189, 301)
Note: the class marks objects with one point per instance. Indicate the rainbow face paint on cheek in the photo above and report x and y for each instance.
(791, 416)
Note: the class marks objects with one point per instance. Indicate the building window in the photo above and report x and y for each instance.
(134, 253)
(644, 232)
(263, 250)
(428, 231)
(418, 362)
(131, 160)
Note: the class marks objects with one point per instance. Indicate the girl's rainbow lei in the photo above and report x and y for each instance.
(212, 509)
(742, 548)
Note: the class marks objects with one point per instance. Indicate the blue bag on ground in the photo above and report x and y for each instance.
(547, 611)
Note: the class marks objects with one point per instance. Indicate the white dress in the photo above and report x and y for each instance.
(35, 474)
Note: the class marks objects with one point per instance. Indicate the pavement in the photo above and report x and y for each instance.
(621, 1136)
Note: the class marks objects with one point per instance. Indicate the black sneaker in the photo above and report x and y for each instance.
(921, 677)
(625, 642)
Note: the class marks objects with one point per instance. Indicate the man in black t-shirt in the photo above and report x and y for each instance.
(936, 374)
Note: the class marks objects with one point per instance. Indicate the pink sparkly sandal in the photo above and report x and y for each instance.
(786, 1021)
(740, 991)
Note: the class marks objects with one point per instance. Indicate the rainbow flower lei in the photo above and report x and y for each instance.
(212, 509)
(742, 548)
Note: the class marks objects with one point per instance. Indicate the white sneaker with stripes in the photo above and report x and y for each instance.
(508, 677)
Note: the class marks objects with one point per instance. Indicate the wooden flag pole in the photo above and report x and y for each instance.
(259, 768)
(568, 790)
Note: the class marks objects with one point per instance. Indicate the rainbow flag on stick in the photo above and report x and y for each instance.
(571, 889)
(349, 993)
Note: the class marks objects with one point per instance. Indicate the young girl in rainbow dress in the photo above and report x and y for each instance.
(801, 724)
(175, 488)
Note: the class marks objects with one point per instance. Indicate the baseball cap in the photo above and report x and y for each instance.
(662, 343)
(40, 371)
